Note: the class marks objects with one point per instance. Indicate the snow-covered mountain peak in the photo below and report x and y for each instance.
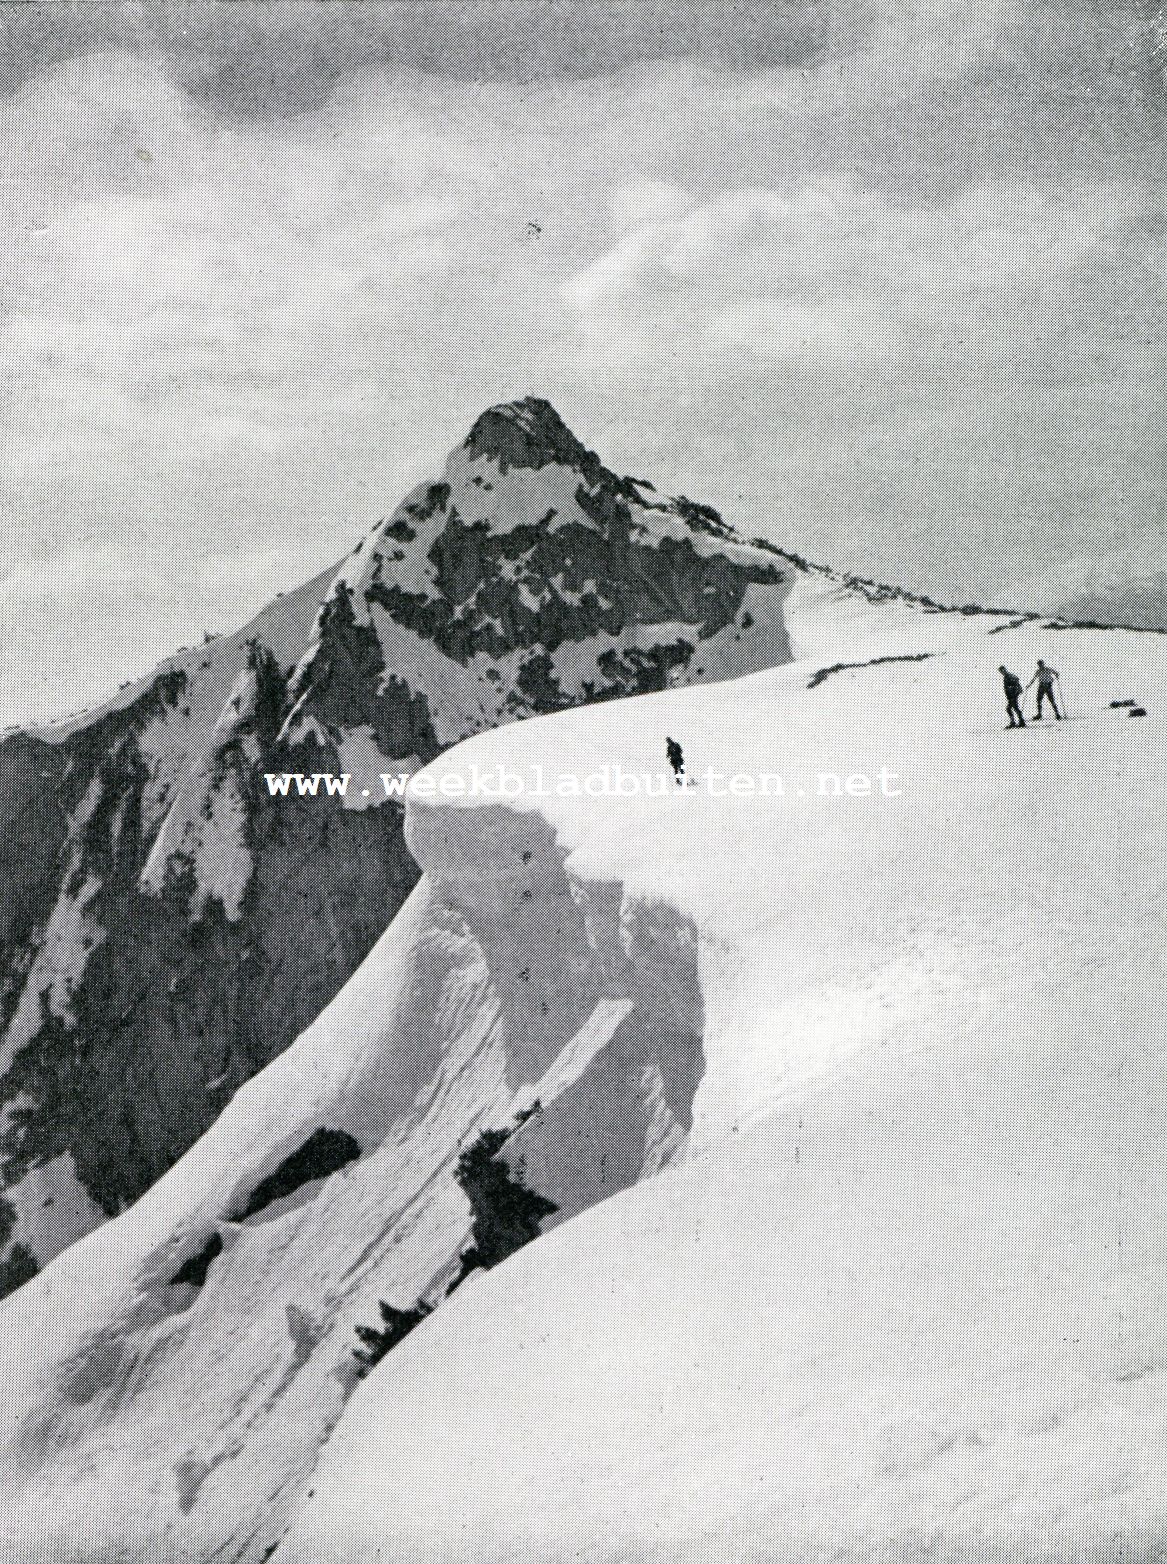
(200, 921)
(521, 468)
(528, 578)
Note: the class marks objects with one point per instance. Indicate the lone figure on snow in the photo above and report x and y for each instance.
(1013, 693)
(676, 759)
(1045, 679)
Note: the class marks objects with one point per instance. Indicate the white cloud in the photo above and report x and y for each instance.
(647, 201)
(834, 267)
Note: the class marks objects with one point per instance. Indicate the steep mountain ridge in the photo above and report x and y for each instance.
(167, 927)
(81, 805)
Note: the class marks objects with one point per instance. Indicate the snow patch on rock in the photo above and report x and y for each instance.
(359, 758)
(204, 834)
(69, 939)
(50, 1204)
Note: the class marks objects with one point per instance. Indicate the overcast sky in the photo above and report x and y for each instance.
(885, 281)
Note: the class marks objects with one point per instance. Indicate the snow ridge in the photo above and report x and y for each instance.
(904, 1295)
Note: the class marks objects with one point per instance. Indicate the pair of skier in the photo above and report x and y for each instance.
(1046, 679)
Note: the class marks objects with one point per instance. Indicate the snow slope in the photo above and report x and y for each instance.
(170, 1379)
(905, 1297)
(848, 1106)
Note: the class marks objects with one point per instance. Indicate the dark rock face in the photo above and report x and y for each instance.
(167, 927)
(582, 580)
(177, 1004)
(528, 434)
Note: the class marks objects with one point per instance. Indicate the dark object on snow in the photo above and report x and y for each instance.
(323, 1153)
(193, 1273)
(676, 758)
(506, 1213)
(1013, 693)
(1116, 704)
(818, 676)
(376, 1344)
(1137, 711)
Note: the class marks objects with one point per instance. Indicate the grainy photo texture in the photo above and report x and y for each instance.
(581, 708)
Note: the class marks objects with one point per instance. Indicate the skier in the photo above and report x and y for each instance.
(1045, 678)
(1013, 693)
(676, 759)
